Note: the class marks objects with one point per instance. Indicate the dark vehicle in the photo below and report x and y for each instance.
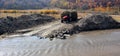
(67, 16)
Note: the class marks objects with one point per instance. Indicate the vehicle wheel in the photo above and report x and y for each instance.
(74, 16)
(62, 21)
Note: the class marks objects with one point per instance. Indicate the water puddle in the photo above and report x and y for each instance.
(95, 43)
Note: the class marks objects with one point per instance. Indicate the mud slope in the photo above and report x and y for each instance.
(42, 31)
(60, 30)
(10, 24)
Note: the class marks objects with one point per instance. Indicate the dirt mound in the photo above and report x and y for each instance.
(96, 22)
(91, 22)
(10, 24)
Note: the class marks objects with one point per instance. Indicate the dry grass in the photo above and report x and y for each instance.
(12, 14)
(42, 11)
(15, 13)
(48, 11)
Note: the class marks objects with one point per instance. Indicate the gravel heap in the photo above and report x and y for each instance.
(10, 24)
(91, 22)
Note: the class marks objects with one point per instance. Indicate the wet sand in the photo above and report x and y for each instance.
(92, 43)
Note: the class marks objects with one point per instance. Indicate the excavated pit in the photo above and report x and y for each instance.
(10, 24)
(89, 23)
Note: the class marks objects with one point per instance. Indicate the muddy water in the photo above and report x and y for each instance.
(94, 43)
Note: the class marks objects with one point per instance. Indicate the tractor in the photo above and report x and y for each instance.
(69, 16)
